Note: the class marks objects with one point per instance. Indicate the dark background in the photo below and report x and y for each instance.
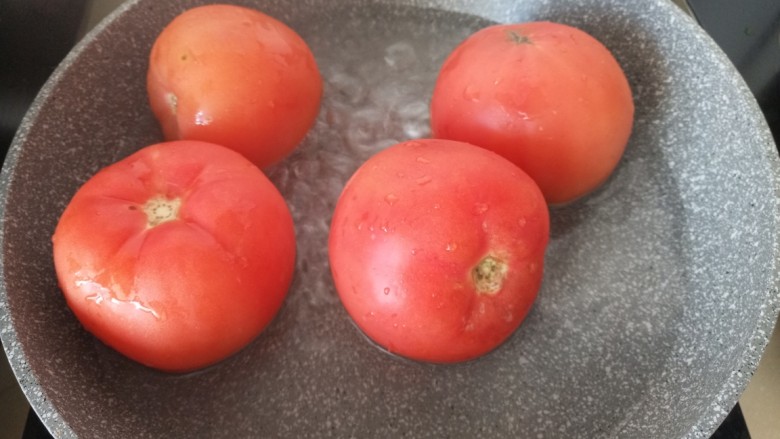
(36, 34)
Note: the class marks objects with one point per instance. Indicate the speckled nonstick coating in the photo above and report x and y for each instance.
(661, 289)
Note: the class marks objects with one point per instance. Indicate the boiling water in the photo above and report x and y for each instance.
(379, 68)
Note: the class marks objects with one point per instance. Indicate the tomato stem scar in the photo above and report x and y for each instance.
(517, 38)
(159, 210)
(489, 275)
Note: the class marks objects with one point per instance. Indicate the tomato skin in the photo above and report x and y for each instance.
(408, 230)
(235, 77)
(188, 292)
(549, 97)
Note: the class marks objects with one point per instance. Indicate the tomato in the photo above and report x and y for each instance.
(236, 77)
(176, 256)
(549, 97)
(437, 249)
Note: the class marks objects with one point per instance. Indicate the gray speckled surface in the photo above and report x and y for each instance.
(661, 289)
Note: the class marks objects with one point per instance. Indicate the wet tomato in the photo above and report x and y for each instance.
(236, 77)
(547, 96)
(176, 256)
(437, 249)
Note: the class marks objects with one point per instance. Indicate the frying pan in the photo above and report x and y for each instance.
(660, 289)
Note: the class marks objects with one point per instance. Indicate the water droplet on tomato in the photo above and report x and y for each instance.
(97, 298)
(425, 179)
(451, 247)
(522, 221)
(173, 102)
(386, 291)
(423, 160)
(203, 119)
(481, 208)
(471, 92)
(391, 199)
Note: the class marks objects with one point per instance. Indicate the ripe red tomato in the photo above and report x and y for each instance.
(549, 97)
(176, 256)
(236, 77)
(437, 249)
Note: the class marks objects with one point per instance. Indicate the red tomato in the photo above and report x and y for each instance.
(177, 256)
(236, 77)
(549, 97)
(437, 249)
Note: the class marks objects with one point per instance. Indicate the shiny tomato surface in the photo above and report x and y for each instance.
(437, 249)
(547, 96)
(236, 77)
(176, 256)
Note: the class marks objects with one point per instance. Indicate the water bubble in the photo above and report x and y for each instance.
(416, 128)
(347, 88)
(390, 95)
(386, 291)
(305, 168)
(414, 110)
(391, 199)
(423, 160)
(451, 247)
(364, 128)
(400, 56)
(481, 208)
